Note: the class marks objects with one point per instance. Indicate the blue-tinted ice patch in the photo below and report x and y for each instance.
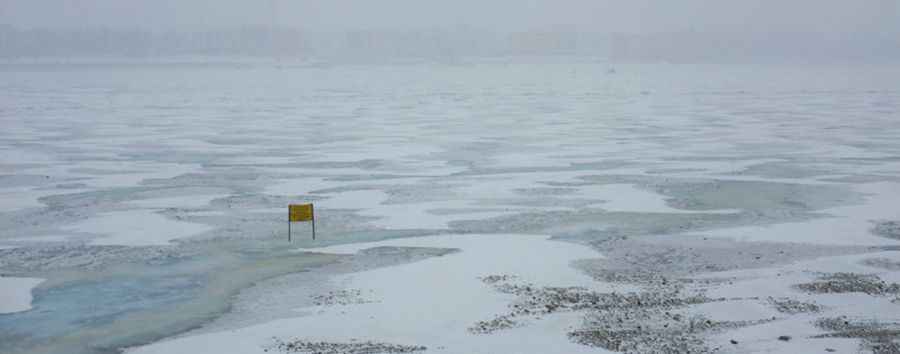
(81, 305)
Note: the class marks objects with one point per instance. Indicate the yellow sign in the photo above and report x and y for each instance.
(300, 212)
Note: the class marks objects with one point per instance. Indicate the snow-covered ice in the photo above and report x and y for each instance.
(176, 177)
(430, 303)
(16, 294)
(136, 228)
(188, 201)
(846, 225)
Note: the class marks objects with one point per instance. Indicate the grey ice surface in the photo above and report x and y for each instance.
(485, 147)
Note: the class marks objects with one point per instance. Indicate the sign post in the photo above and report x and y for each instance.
(301, 212)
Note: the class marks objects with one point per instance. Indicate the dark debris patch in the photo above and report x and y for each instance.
(535, 300)
(792, 307)
(850, 283)
(879, 337)
(653, 320)
(340, 297)
(646, 331)
(846, 327)
(352, 347)
(496, 324)
(494, 279)
(632, 322)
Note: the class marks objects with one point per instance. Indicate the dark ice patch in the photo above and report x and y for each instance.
(352, 347)
(850, 283)
(7, 181)
(879, 337)
(883, 263)
(887, 228)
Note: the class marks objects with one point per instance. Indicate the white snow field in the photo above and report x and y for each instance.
(555, 206)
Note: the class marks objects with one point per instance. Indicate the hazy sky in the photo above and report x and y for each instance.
(599, 15)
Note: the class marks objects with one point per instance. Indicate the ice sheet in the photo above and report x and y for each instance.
(12, 199)
(136, 228)
(422, 146)
(850, 225)
(187, 201)
(16, 294)
(429, 303)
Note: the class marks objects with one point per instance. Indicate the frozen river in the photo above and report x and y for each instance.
(141, 201)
